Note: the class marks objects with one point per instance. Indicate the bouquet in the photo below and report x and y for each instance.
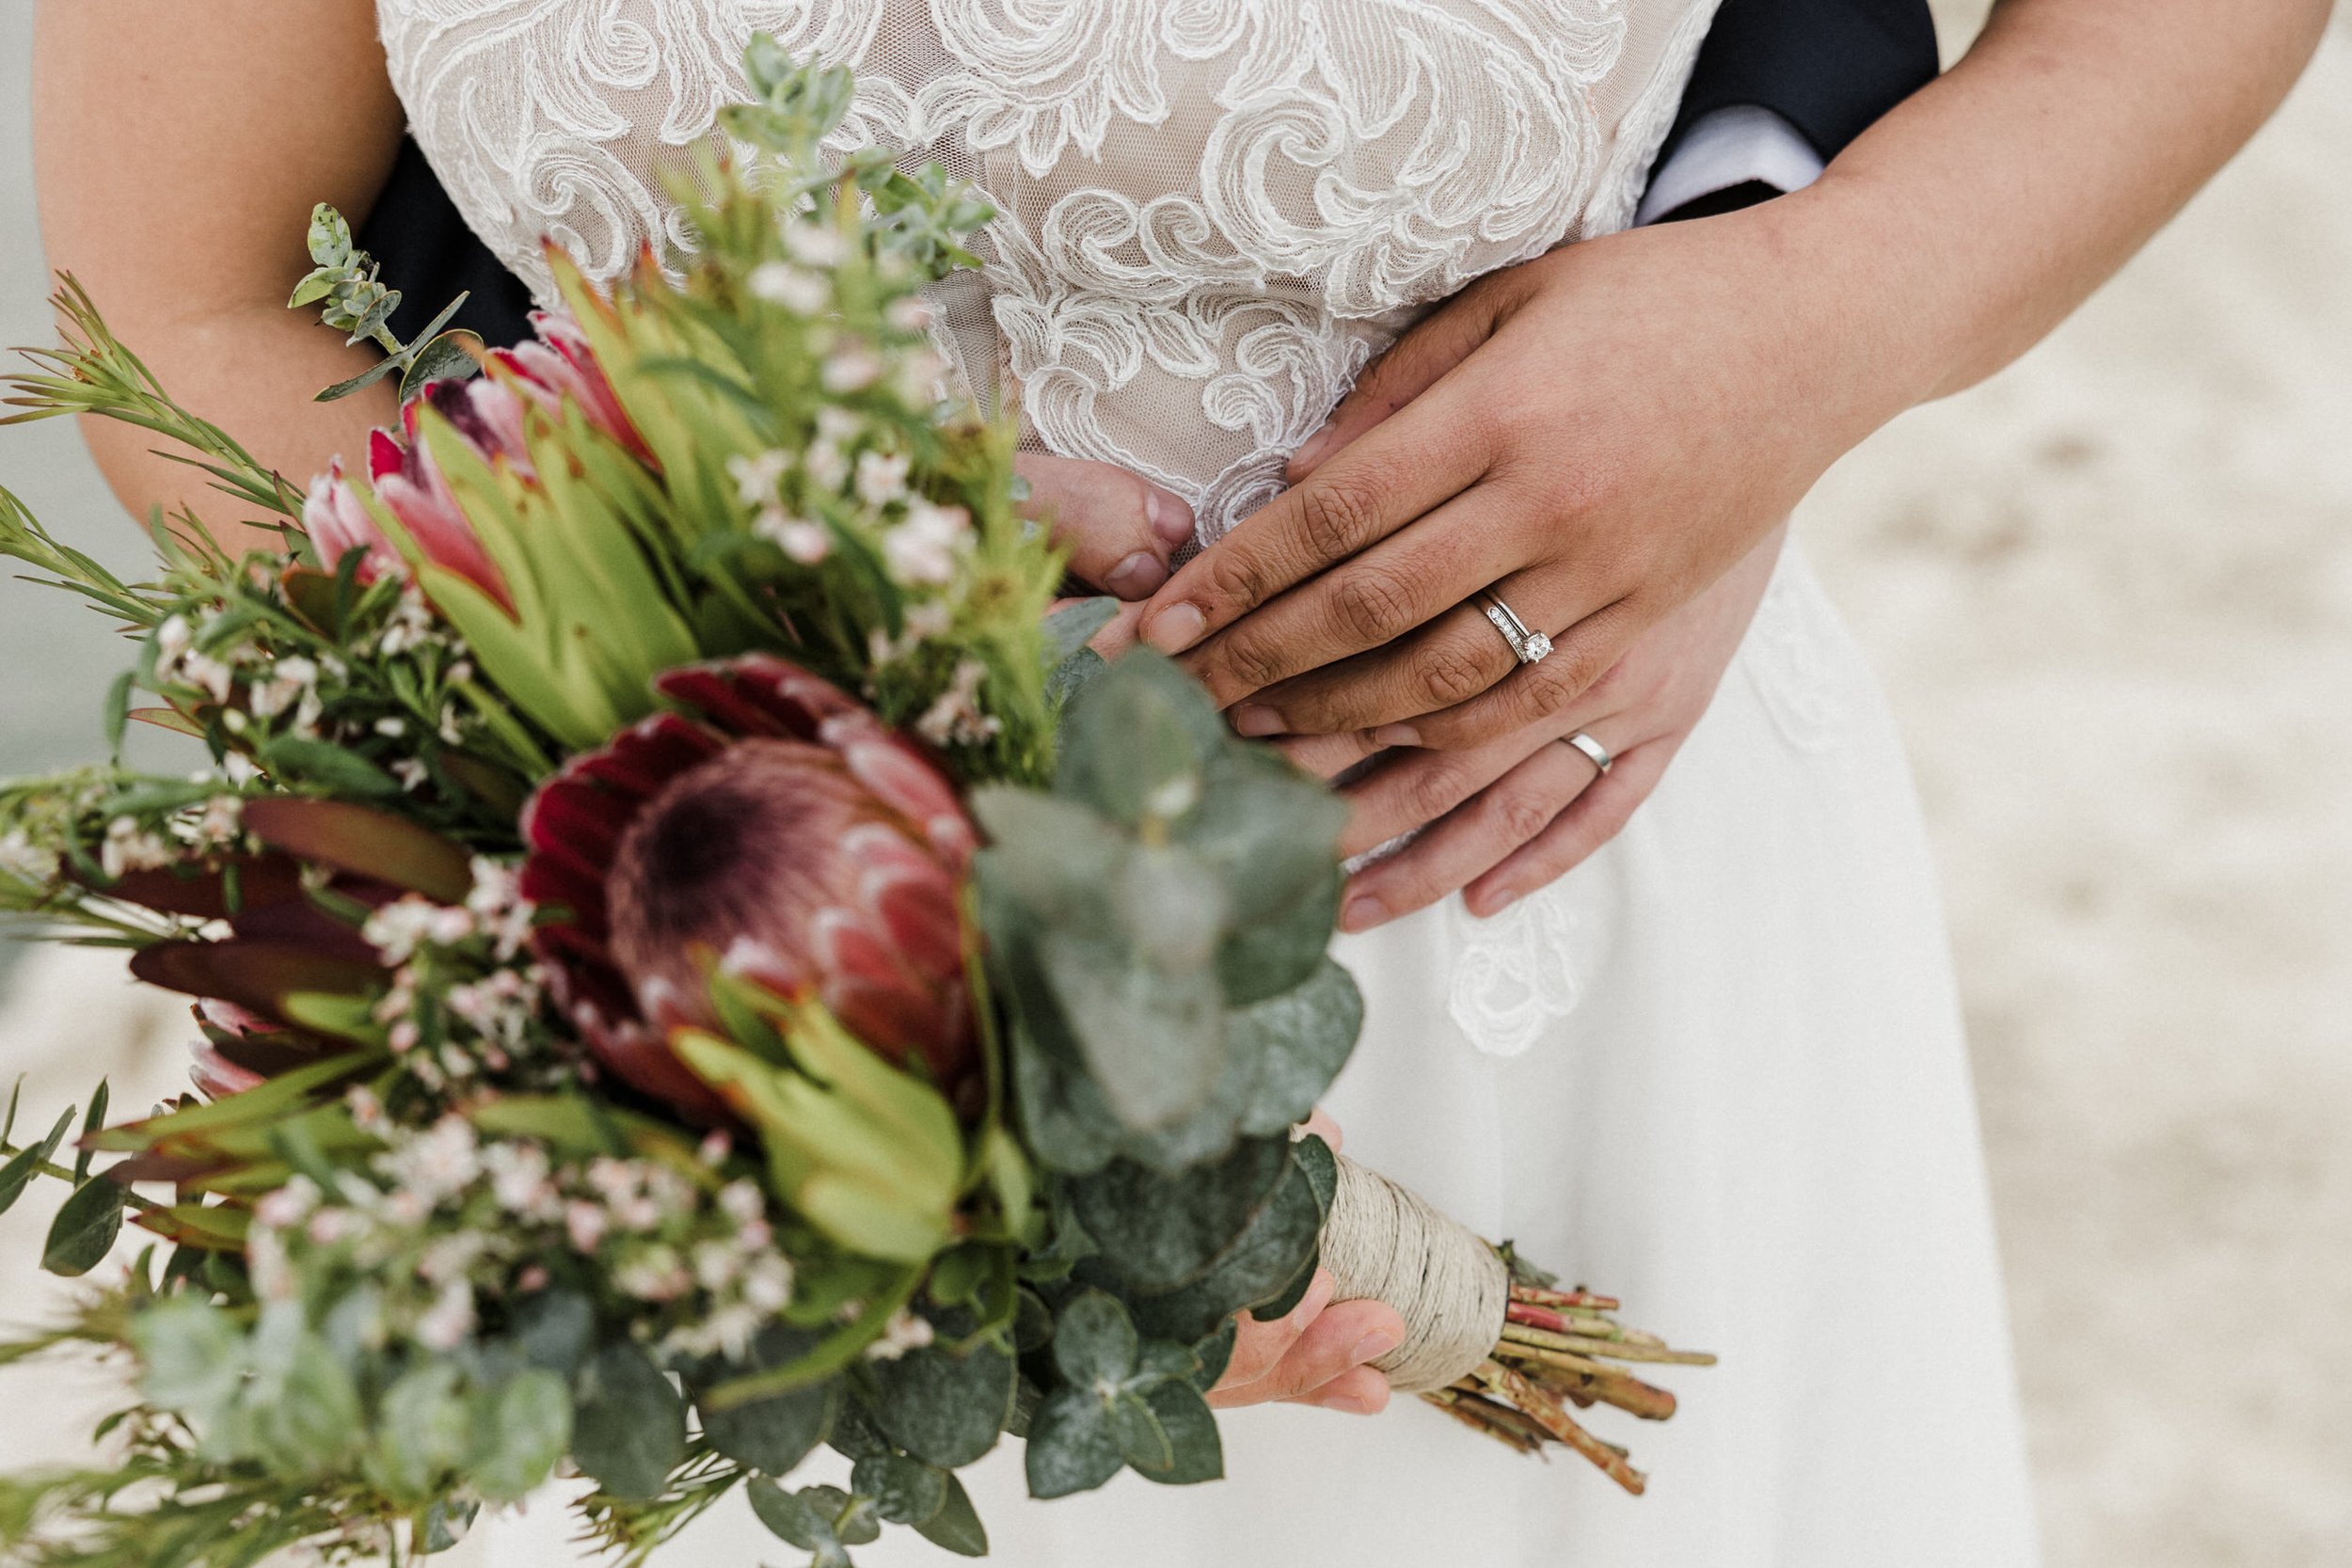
(690, 961)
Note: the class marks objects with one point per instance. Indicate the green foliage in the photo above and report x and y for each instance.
(1158, 926)
(770, 1435)
(629, 1424)
(345, 285)
(944, 1407)
(1123, 1401)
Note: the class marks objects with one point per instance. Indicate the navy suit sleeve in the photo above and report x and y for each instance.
(1830, 68)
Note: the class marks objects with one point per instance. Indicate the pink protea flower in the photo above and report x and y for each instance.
(558, 365)
(781, 831)
(412, 488)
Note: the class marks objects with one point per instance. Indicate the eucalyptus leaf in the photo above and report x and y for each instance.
(1142, 1441)
(770, 1435)
(1069, 628)
(365, 379)
(554, 1329)
(1255, 1270)
(955, 1527)
(422, 1432)
(1073, 1445)
(1281, 953)
(443, 359)
(1166, 1231)
(1215, 1353)
(800, 1519)
(1094, 1344)
(524, 1427)
(628, 1424)
(1154, 1041)
(1197, 1453)
(943, 1407)
(1296, 1292)
(905, 1491)
(1074, 674)
(1298, 1041)
(1136, 744)
(191, 1355)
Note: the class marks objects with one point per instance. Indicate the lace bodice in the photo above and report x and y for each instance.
(1212, 212)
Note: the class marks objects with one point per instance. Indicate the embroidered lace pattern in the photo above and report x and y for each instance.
(1210, 213)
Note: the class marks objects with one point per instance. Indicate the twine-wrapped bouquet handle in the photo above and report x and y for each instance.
(1506, 1358)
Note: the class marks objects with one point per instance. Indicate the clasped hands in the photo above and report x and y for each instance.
(1607, 438)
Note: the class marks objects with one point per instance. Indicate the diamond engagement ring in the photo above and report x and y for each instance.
(1594, 753)
(1527, 646)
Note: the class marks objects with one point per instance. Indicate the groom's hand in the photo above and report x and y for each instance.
(1595, 435)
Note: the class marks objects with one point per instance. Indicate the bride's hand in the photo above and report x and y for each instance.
(1118, 527)
(1317, 1354)
(1597, 434)
(1512, 815)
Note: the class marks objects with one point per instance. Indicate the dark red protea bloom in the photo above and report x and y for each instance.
(780, 830)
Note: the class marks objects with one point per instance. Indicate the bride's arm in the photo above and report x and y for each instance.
(178, 148)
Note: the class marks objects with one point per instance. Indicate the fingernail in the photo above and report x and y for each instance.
(1396, 735)
(1347, 1404)
(1311, 452)
(1167, 516)
(1363, 910)
(1373, 1346)
(1255, 719)
(1174, 630)
(1492, 901)
(1136, 577)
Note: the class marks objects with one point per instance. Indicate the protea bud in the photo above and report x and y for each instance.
(561, 365)
(339, 524)
(412, 488)
(783, 830)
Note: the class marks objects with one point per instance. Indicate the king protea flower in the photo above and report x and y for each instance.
(775, 827)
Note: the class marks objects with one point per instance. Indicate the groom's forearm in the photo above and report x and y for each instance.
(1977, 215)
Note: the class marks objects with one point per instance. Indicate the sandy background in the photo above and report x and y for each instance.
(2113, 594)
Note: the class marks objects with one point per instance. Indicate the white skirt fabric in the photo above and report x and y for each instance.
(1717, 1071)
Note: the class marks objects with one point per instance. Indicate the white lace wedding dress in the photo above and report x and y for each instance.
(1718, 1069)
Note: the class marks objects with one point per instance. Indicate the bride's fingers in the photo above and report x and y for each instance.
(1414, 363)
(1476, 838)
(1118, 527)
(1591, 820)
(1327, 756)
(1363, 1391)
(1340, 1341)
(1409, 788)
(1257, 1347)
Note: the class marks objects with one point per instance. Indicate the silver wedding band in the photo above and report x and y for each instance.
(1527, 646)
(1594, 753)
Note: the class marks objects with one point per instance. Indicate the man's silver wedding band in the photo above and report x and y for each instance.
(1527, 646)
(1593, 752)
